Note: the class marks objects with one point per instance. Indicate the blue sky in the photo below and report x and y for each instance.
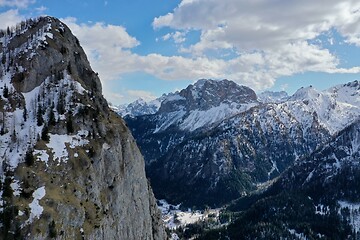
(144, 48)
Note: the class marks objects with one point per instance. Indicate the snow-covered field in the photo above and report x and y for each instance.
(173, 217)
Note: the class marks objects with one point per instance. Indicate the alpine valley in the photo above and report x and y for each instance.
(287, 166)
(70, 168)
(274, 166)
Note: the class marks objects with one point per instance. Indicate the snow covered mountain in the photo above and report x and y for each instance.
(273, 97)
(196, 106)
(139, 107)
(70, 168)
(319, 173)
(317, 197)
(336, 107)
(202, 104)
(190, 144)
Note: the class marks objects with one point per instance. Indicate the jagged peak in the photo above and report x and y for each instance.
(354, 83)
(305, 93)
(210, 83)
(354, 86)
(47, 45)
(207, 93)
(139, 101)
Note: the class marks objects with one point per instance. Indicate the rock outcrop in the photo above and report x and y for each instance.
(70, 167)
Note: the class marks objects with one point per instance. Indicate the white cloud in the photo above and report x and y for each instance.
(115, 98)
(10, 18)
(269, 39)
(112, 57)
(163, 20)
(106, 46)
(249, 25)
(16, 3)
(41, 9)
(178, 37)
(107, 35)
(145, 95)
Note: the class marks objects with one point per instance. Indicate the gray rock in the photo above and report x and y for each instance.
(99, 189)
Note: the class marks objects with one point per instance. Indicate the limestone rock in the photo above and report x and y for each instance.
(70, 167)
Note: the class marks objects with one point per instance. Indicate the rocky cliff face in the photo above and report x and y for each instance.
(70, 167)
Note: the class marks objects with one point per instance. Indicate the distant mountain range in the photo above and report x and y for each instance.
(141, 107)
(216, 141)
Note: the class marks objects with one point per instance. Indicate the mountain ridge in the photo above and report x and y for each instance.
(70, 168)
(238, 151)
(317, 196)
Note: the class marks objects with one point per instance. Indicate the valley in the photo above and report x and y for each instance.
(266, 152)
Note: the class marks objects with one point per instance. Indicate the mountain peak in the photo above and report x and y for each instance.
(206, 94)
(44, 47)
(305, 93)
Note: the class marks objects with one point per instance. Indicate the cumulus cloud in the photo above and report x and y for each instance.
(178, 37)
(262, 24)
(41, 9)
(269, 39)
(107, 46)
(16, 3)
(145, 95)
(10, 18)
(109, 49)
(115, 98)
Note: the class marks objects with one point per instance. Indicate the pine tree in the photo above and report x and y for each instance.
(61, 104)
(52, 120)
(69, 123)
(40, 119)
(13, 136)
(6, 92)
(7, 190)
(52, 229)
(3, 58)
(2, 131)
(25, 114)
(29, 158)
(45, 134)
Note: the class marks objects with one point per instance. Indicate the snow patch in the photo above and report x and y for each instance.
(175, 97)
(320, 209)
(41, 155)
(58, 144)
(35, 208)
(173, 217)
(300, 236)
(15, 187)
